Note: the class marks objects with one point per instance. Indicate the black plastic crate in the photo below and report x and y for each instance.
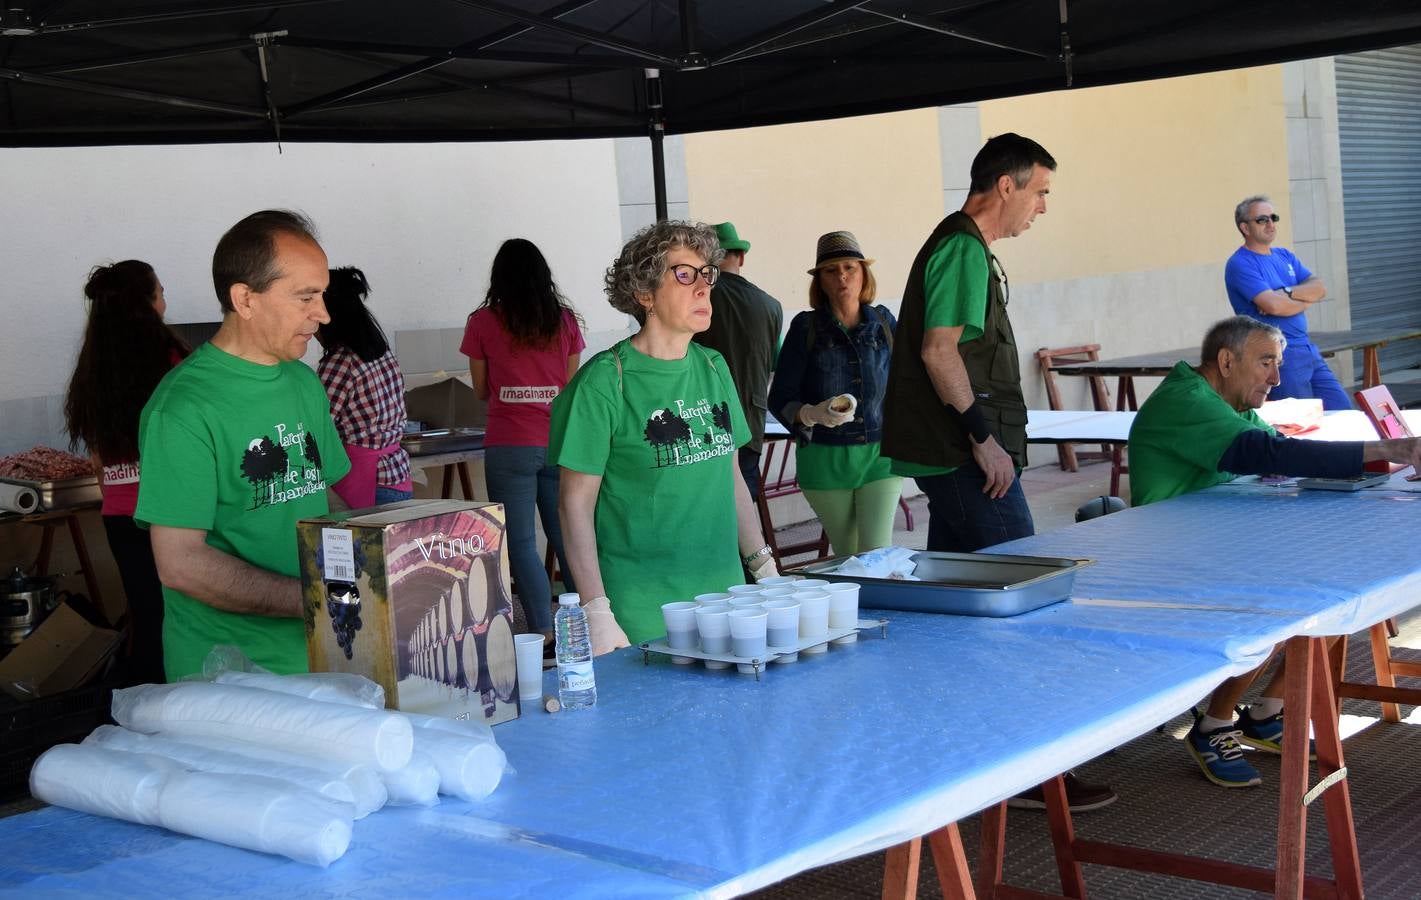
(28, 728)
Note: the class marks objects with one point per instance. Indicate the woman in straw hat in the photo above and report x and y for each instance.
(828, 391)
(654, 508)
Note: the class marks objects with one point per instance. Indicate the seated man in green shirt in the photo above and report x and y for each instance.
(1199, 429)
(237, 445)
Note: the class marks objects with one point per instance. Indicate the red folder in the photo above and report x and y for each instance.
(1385, 416)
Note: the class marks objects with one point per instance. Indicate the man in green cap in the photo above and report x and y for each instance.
(745, 329)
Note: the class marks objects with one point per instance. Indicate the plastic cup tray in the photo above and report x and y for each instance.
(756, 663)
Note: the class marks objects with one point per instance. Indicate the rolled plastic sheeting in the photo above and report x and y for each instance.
(469, 760)
(18, 498)
(417, 784)
(365, 783)
(379, 738)
(101, 781)
(347, 689)
(228, 762)
(260, 814)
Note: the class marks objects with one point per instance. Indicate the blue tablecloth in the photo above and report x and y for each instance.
(683, 781)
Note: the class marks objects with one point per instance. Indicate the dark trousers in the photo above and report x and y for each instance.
(962, 519)
(750, 468)
(133, 552)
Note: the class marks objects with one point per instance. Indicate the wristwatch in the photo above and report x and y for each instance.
(755, 557)
(1289, 292)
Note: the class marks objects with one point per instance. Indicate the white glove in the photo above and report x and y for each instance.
(606, 634)
(766, 569)
(830, 413)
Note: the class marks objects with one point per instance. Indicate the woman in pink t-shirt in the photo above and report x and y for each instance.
(523, 344)
(127, 350)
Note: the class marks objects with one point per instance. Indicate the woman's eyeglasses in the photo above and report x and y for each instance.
(686, 273)
(1264, 220)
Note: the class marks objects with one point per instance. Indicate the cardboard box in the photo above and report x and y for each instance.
(445, 404)
(415, 596)
(63, 653)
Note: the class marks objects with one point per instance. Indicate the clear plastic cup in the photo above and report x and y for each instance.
(528, 650)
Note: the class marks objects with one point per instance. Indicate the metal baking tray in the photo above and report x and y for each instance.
(963, 584)
(65, 493)
(442, 440)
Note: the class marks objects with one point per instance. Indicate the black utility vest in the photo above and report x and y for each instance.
(916, 428)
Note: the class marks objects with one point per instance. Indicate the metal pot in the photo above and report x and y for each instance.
(25, 602)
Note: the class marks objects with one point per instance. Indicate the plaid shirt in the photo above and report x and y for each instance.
(368, 405)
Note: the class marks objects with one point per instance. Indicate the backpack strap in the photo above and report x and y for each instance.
(882, 316)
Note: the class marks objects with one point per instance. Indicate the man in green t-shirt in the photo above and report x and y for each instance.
(237, 444)
(1199, 429)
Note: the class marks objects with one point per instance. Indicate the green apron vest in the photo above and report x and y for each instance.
(916, 428)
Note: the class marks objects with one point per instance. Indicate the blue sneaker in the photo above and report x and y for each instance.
(1265, 734)
(1220, 756)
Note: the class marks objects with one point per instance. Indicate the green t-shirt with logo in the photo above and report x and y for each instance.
(662, 434)
(954, 293)
(1180, 434)
(241, 451)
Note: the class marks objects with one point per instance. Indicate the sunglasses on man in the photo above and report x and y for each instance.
(1264, 220)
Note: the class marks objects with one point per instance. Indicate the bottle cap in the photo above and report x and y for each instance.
(569, 599)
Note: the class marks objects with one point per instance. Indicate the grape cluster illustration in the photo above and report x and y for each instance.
(343, 604)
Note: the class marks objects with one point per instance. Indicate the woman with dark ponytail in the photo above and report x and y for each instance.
(523, 344)
(367, 391)
(127, 350)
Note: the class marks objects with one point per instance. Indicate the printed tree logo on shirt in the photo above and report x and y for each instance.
(264, 464)
(664, 430)
(311, 451)
(669, 431)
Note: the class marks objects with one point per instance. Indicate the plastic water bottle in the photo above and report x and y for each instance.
(577, 687)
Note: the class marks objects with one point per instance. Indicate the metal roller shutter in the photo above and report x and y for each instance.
(1379, 119)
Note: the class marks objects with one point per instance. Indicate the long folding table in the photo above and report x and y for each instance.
(688, 782)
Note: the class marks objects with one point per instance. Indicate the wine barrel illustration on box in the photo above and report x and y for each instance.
(469, 659)
(501, 664)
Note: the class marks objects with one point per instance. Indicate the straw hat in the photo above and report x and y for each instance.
(730, 238)
(836, 246)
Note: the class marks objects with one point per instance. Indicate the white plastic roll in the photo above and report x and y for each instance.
(18, 498)
(469, 760)
(378, 738)
(417, 784)
(260, 814)
(101, 781)
(345, 688)
(230, 762)
(365, 783)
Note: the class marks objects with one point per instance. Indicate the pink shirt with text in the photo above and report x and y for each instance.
(523, 381)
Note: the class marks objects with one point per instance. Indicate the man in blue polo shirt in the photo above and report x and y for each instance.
(1199, 429)
(1272, 285)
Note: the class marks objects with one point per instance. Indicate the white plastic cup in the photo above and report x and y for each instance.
(715, 597)
(751, 602)
(843, 608)
(777, 580)
(775, 593)
(744, 590)
(748, 629)
(680, 618)
(713, 625)
(528, 648)
(782, 629)
(813, 617)
(810, 584)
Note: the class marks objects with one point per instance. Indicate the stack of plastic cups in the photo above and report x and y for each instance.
(713, 624)
(844, 608)
(813, 617)
(748, 632)
(777, 581)
(782, 629)
(680, 629)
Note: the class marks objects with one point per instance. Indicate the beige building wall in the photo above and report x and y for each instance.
(783, 186)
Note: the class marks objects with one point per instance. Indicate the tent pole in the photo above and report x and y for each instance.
(657, 132)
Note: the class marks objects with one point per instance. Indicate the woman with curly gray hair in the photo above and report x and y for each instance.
(652, 502)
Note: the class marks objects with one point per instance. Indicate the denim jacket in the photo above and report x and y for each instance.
(838, 362)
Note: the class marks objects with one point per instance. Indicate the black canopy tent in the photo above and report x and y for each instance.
(103, 72)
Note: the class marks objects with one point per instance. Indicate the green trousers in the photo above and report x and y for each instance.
(858, 519)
